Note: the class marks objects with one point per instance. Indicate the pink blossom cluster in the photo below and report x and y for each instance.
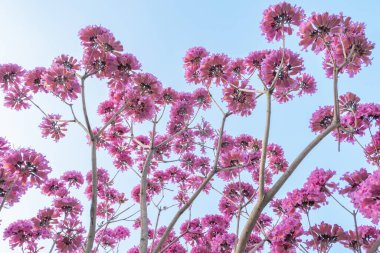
(179, 159)
(20, 170)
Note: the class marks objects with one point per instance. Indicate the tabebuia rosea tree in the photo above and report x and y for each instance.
(182, 158)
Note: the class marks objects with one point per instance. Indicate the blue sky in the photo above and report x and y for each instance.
(159, 33)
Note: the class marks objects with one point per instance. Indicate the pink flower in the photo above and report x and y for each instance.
(107, 43)
(69, 62)
(17, 98)
(348, 102)
(255, 59)
(319, 179)
(46, 218)
(318, 30)
(121, 233)
(54, 187)
(4, 146)
(354, 180)
(10, 75)
(286, 235)
(271, 66)
(367, 199)
(278, 19)
(306, 84)
(192, 230)
(214, 69)
(140, 108)
(367, 236)
(73, 178)
(27, 164)
(169, 95)
(19, 233)
(372, 150)
(239, 101)
(147, 84)
(126, 64)
(34, 79)
(202, 98)
(62, 83)
(321, 119)
(69, 206)
(236, 68)
(194, 56)
(99, 64)
(324, 235)
(223, 243)
(89, 34)
(53, 127)
(71, 239)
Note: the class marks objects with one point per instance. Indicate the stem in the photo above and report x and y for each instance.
(144, 237)
(52, 246)
(94, 181)
(94, 200)
(264, 146)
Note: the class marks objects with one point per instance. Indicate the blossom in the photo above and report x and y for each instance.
(192, 230)
(61, 82)
(73, 178)
(324, 235)
(140, 108)
(223, 243)
(194, 56)
(71, 239)
(69, 206)
(286, 235)
(99, 64)
(89, 34)
(147, 84)
(254, 60)
(348, 102)
(214, 69)
(354, 180)
(107, 43)
(278, 19)
(53, 127)
(367, 237)
(366, 198)
(19, 233)
(318, 30)
(34, 79)
(372, 150)
(321, 119)
(10, 75)
(236, 68)
(306, 84)
(319, 179)
(54, 187)
(29, 165)
(17, 98)
(202, 98)
(66, 61)
(239, 100)
(45, 218)
(292, 64)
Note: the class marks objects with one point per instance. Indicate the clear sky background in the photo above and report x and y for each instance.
(159, 33)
